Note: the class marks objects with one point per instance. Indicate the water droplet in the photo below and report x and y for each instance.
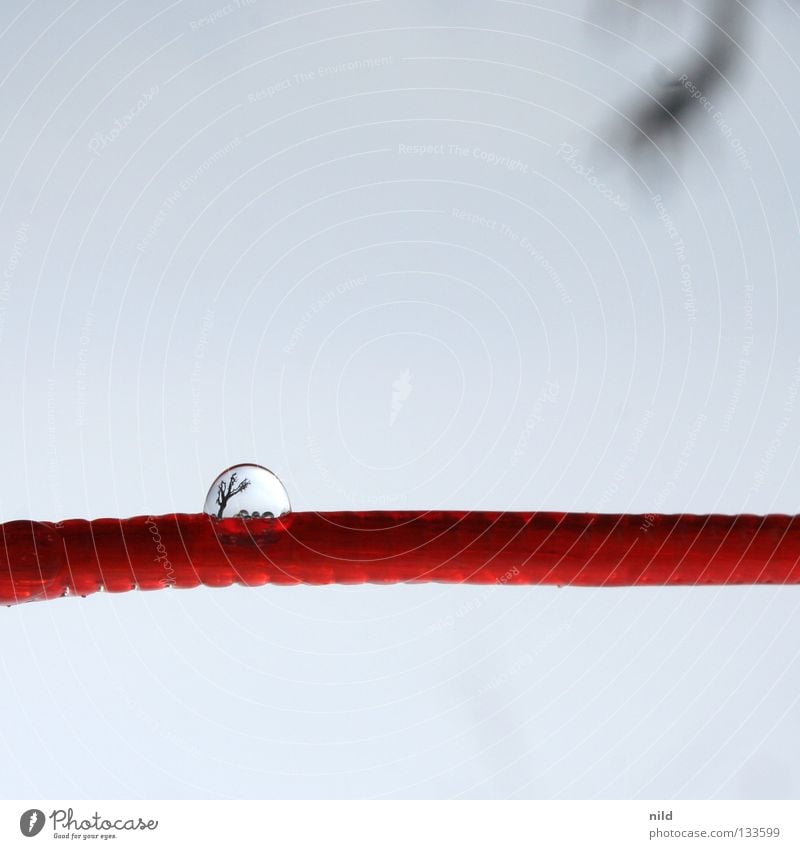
(247, 491)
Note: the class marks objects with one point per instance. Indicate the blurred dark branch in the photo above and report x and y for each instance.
(664, 111)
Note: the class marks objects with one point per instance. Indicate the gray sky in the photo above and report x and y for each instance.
(383, 249)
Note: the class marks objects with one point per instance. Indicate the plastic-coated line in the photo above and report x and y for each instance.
(40, 560)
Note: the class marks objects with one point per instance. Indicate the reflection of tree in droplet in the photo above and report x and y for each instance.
(226, 491)
(260, 495)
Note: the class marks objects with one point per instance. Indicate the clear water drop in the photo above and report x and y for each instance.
(247, 491)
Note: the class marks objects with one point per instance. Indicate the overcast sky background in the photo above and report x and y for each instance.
(382, 248)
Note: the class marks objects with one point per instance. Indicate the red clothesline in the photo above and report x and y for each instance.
(46, 560)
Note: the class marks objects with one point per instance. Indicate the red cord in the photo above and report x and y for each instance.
(44, 560)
